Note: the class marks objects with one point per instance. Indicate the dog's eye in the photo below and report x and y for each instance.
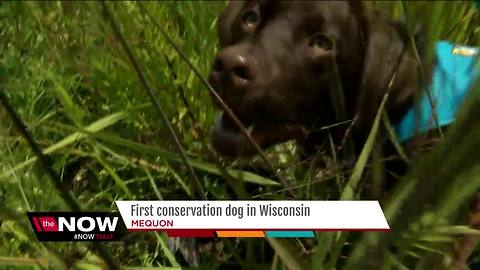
(250, 18)
(320, 42)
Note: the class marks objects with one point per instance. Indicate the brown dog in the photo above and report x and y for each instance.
(282, 63)
(289, 67)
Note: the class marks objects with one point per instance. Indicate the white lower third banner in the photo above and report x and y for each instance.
(191, 217)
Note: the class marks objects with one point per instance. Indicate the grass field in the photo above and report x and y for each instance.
(68, 76)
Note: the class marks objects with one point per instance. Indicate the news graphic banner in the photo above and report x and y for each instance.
(251, 218)
(77, 226)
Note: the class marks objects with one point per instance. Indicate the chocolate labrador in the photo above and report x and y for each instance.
(287, 67)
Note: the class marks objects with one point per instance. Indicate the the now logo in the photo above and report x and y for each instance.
(87, 224)
(77, 226)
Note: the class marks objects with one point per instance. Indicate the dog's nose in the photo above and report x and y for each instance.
(234, 64)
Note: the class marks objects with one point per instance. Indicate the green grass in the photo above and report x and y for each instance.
(72, 83)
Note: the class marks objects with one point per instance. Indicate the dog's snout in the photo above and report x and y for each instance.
(236, 65)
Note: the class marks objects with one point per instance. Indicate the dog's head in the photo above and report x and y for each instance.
(281, 61)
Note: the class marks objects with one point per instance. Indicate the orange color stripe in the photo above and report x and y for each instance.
(240, 234)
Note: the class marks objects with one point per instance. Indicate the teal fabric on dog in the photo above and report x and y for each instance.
(455, 71)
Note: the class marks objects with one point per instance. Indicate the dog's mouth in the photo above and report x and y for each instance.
(229, 140)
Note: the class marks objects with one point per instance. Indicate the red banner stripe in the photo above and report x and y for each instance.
(190, 233)
(37, 225)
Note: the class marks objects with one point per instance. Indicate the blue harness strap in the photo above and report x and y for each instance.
(455, 70)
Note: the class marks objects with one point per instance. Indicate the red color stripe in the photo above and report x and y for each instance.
(269, 229)
(37, 225)
(190, 233)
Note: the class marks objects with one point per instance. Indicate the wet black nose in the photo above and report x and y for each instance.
(235, 66)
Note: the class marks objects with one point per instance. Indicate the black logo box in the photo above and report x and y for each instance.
(55, 236)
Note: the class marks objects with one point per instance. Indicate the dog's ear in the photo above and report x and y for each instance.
(389, 63)
(226, 20)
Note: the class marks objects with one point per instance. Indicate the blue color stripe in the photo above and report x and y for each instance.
(286, 234)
